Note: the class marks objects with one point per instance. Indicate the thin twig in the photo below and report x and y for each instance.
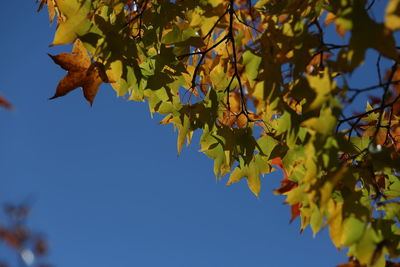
(363, 90)
(360, 116)
(383, 100)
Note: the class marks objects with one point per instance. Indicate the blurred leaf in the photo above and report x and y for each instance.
(4, 103)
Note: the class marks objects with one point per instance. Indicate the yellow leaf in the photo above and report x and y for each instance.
(116, 72)
(335, 222)
(184, 132)
(327, 189)
(76, 23)
(322, 85)
(324, 124)
(258, 166)
(392, 16)
(316, 220)
(295, 196)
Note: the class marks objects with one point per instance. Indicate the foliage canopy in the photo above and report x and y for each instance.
(265, 87)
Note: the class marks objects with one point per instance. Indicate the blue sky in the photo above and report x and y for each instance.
(107, 186)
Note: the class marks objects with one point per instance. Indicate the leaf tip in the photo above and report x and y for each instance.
(52, 57)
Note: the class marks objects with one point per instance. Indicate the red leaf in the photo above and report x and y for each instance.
(4, 103)
(278, 162)
(286, 186)
(10, 238)
(41, 247)
(295, 209)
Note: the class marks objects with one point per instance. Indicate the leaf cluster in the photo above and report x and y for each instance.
(266, 90)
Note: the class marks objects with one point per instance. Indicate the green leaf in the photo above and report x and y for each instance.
(364, 249)
(316, 220)
(353, 230)
(324, 124)
(213, 146)
(265, 85)
(184, 131)
(258, 166)
(322, 86)
(251, 63)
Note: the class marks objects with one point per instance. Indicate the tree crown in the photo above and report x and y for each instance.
(266, 88)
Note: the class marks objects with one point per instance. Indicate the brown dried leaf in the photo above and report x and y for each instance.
(41, 5)
(78, 60)
(81, 73)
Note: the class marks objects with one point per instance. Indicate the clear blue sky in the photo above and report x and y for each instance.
(108, 186)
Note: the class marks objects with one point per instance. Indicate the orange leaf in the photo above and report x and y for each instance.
(330, 18)
(316, 62)
(340, 30)
(241, 121)
(278, 162)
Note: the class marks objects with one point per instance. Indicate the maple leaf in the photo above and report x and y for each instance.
(82, 72)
